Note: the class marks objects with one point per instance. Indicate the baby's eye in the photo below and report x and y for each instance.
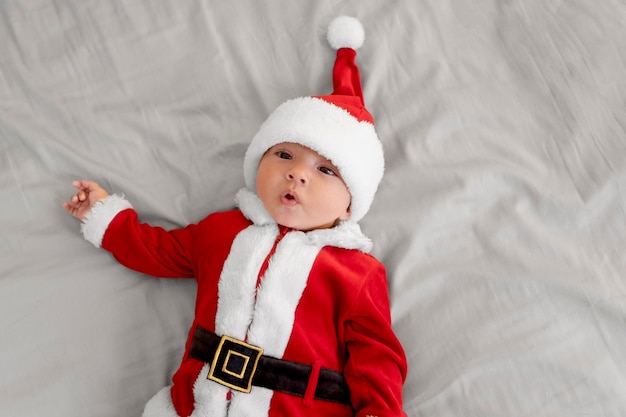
(283, 155)
(327, 171)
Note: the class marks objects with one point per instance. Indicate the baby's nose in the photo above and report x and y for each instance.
(298, 175)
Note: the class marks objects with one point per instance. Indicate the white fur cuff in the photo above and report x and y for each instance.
(97, 220)
(160, 405)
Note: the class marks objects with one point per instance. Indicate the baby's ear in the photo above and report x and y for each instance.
(346, 215)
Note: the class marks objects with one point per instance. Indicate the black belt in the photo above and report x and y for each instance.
(239, 365)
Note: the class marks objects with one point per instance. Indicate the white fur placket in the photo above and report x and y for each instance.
(274, 312)
(235, 312)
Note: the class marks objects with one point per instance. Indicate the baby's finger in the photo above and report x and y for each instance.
(68, 206)
(89, 185)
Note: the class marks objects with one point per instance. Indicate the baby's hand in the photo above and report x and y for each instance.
(89, 193)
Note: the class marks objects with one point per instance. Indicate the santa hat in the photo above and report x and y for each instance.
(337, 126)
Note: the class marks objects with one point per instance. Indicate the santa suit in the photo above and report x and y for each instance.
(315, 298)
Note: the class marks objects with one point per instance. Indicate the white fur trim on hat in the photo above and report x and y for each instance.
(345, 32)
(332, 132)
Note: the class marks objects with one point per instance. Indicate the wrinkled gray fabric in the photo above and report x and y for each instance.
(501, 216)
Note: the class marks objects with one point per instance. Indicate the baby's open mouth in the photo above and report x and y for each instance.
(290, 198)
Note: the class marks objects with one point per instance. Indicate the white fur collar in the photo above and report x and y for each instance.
(346, 235)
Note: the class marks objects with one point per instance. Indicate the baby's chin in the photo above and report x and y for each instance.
(303, 227)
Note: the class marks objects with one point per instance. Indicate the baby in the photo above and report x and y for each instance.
(292, 314)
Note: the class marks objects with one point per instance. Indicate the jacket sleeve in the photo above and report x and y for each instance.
(376, 367)
(114, 225)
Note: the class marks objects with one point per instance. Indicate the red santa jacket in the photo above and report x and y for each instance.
(318, 300)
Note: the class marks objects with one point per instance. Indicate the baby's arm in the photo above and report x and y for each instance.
(144, 248)
(89, 193)
(377, 366)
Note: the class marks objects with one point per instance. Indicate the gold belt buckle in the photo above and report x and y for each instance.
(234, 364)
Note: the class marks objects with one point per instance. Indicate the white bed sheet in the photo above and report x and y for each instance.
(501, 217)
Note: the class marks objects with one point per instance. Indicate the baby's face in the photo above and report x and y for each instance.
(301, 189)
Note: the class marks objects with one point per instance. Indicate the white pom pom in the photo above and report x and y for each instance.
(345, 32)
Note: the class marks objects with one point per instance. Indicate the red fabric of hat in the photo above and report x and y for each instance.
(347, 91)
